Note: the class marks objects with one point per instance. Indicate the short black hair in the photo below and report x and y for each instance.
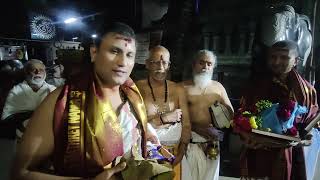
(288, 45)
(115, 27)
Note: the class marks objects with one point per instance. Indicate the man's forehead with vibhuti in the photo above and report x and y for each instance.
(159, 53)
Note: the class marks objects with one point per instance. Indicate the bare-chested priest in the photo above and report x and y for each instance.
(166, 105)
(202, 92)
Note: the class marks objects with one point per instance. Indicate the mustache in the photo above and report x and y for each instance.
(159, 71)
(203, 73)
(37, 76)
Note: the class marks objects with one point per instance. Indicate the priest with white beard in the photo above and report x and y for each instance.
(202, 92)
(26, 96)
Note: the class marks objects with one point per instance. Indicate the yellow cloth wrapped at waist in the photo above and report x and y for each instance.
(174, 149)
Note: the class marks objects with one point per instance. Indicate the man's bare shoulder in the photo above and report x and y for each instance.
(186, 83)
(216, 84)
(171, 83)
(53, 96)
(44, 112)
(141, 83)
(174, 84)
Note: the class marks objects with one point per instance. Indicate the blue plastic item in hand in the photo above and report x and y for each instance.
(159, 153)
(272, 121)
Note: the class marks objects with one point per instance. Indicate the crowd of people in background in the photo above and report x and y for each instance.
(80, 128)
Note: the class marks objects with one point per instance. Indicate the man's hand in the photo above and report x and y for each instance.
(209, 133)
(153, 139)
(301, 143)
(181, 151)
(151, 135)
(172, 117)
(218, 134)
(250, 142)
(305, 142)
(254, 142)
(108, 174)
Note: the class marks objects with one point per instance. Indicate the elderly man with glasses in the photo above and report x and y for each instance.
(166, 105)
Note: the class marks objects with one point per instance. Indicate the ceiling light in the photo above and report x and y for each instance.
(70, 20)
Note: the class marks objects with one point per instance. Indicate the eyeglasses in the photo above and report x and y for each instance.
(159, 63)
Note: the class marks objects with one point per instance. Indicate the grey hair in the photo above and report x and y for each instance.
(31, 62)
(208, 53)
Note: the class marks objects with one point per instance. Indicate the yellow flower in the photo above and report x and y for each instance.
(246, 113)
(253, 123)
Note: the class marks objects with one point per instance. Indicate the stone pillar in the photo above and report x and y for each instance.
(216, 41)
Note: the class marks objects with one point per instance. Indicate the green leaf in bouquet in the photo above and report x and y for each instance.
(259, 121)
(263, 105)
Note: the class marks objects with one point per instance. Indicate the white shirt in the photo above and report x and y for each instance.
(130, 133)
(22, 98)
(56, 81)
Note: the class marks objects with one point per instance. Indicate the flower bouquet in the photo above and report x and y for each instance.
(271, 124)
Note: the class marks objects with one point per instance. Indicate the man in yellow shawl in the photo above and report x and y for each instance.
(84, 126)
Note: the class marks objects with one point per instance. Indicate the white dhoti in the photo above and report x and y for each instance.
(201, 167)
(170, 135)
